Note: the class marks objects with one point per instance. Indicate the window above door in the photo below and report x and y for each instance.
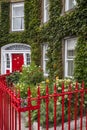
(17, 16)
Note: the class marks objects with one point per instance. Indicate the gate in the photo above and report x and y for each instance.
(73, 112)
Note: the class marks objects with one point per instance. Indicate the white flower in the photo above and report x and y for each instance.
(66, 96)
(58, 103)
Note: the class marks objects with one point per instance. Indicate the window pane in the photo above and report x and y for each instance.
(18, 11)
(47, 2)
(70, 53)
(47, 13)
(71, 3)
(45, 55)
(46, 10)
(18, 23)
(18, 16)
(71, 43)
(70, 68)
(22, 23)
(45, 59)
(27, 59)
(7, 61)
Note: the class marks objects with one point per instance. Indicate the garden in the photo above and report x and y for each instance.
(32, 76)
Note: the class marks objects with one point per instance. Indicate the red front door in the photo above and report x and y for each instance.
(17, 62)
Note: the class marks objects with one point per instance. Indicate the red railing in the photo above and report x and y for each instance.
(73, 108)
(3, 78)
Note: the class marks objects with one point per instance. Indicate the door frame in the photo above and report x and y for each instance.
(5, 51)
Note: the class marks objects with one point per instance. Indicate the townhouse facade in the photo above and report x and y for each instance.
(44, 31)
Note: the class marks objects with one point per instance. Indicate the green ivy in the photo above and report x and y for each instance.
(71, 23)
(4, 22)
(81, 60)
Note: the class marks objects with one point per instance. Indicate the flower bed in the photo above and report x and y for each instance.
(32, 76)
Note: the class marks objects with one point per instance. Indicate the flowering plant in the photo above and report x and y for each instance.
(31, 74)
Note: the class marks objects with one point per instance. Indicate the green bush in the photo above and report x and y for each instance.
(13, 78)
(24, 89)
(80, 69)
(31, 74)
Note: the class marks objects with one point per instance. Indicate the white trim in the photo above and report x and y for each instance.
(12, 44)
(45, 46)
(67, 59)
(45, 11)
(67, 7)
(21, 4)
(25, 61)
(10, 52)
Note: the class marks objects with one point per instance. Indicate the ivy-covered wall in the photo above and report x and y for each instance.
(69, 24)
(29, 35)
(72, 23)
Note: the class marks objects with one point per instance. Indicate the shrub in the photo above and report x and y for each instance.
(31, 74)
(13, 78)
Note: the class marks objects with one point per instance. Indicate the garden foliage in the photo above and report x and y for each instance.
(30, 76)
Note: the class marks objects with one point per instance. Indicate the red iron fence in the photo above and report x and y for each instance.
(73, 108)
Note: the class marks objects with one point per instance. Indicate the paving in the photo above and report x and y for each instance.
(72, 125)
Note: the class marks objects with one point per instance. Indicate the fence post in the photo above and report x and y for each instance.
(19, 113)
(29, 105)
(69, 106)
(76, 102)
(81, 108)
(63, 106)
(55, 100)
(47, 104)
(1, 109)
(38, 103)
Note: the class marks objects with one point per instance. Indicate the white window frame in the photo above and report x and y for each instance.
(66, 55)
(8, 59)
(67, 5)
(45, 59)
(14, 5)
(27, 60)
(46, 13)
